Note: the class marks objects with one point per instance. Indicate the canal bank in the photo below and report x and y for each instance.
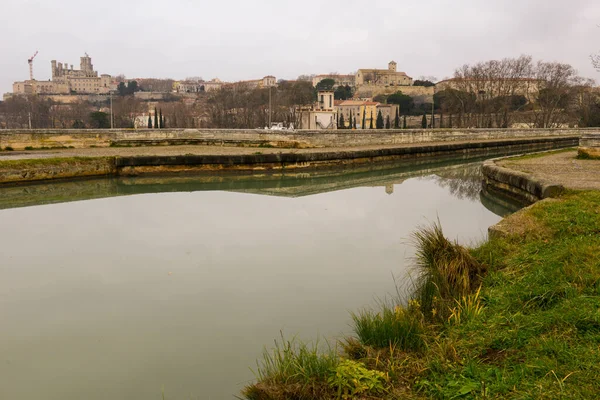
(31, 166)
(524, 325)
(534, 177)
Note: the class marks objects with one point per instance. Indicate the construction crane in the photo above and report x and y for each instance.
(30, 61)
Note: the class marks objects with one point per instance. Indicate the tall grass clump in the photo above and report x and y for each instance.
(293, 369)
(392, 326)
(446, 272)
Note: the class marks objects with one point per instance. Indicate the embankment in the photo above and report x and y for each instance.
(12, 171)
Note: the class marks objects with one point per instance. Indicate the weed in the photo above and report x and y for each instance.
(352, 378)
(467, 308)
(29, 148)
(9, 148)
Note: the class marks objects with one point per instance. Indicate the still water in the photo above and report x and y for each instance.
(178, 283)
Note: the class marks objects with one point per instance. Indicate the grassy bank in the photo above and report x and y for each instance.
(518, 317)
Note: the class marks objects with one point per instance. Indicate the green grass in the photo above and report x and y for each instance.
(391, 326)
(540, 154)
(582, 155)
(519, 320)
(294, 367)
(43, 162)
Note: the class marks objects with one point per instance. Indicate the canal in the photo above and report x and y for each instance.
(120, 288)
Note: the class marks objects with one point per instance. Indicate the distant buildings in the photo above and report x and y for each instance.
(216, 84)
(326, 113)
(370, 82)
(340, 80)
(67, 80)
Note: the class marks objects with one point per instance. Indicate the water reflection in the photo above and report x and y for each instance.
(461, 178)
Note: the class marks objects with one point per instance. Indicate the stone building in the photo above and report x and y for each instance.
(383, 77)
(320, 115)
(340, 80)
(367, 109)
(356, 109)
(67, 80)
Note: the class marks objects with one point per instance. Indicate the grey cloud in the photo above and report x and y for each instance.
(247, 39)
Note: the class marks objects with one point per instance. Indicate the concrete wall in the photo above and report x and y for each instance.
(20, 139)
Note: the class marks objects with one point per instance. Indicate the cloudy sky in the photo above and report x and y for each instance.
(245, 39)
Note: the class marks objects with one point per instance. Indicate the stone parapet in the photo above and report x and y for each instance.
(85, 138)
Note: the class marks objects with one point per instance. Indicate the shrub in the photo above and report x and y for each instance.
(9, 148)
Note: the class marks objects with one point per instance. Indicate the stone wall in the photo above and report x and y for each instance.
(40, 138)
(420, 94)
(17, 171)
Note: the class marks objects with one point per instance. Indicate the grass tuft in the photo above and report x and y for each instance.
(293, 369)
(446, 272)
(392, 326)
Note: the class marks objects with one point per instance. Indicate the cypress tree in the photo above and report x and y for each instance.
(364, 120)
(379, 123)
(354, 123)
(424, 121)
(160, 119)
(441, 119)
(342, 122)
(387, 122)
(404, 123)
(337, 119)
(155, 119)
(397, 119)
(371, 122)
(350, 120)
(163, 122)
(149, 121)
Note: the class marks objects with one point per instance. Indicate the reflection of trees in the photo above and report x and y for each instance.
(463, 182)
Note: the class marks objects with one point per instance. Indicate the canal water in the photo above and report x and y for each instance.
(120, 289)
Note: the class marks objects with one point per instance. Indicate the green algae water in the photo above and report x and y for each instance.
(118, 288)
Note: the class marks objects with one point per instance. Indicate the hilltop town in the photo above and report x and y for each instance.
(505, 93)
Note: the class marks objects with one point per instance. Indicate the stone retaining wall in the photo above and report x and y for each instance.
(20, 139)
(44, 169)
(516, 185)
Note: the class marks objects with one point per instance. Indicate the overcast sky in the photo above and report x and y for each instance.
(245, 39)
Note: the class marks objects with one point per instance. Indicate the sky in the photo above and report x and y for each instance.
(248, 39)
